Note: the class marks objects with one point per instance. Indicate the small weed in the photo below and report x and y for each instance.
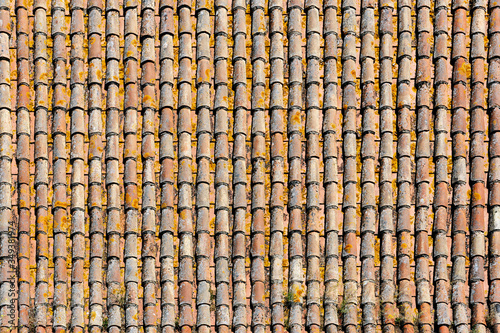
(488, 317)
(416, 320)
(288, 299)
(177, 326)
(287, 323)
(212, 300)
(399, 321)
(32, 320)
(122, 303)
(342, 309)
(105, 324)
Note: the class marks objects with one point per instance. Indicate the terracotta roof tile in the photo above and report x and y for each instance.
(387, 224)
(222, 162)
(349, 204)
(368, 148)
(130, 182)
(296, 278)
(185, 181)
(239, 160)
(23, 130)
(203, 159)
(477, 167)
(41, 180)
(6, 158)
(258, 160)
(277, 152)
(149, 106)
(77, 158)
(459, 179)
(422, 178)
(404, 180)
(330, 160)
(313, 154)
(282, 166)
(112, 158)
(441, 100)
(493, 86)
(166, 158)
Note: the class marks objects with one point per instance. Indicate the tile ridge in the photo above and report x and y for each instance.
(258, 160)
(440, 202)
(222, 165)
(387, 230)
(95, 185)
(422, 155)
(203, 159)
(313, 156)
(7, 222)
(23, 130)
(477, 154)
(330, 161)
(493, 176)
(166, 158)
(404, 179)
(77, 136)
(148, 150)
(349, 204)
(185, 179)
(112, 159)
(295, 128)
(240, 202)
(130, 152)
(41, 180)
(459, 107)
(368, 151)
(277, 156)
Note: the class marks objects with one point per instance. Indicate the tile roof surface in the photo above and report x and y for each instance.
(249, 166)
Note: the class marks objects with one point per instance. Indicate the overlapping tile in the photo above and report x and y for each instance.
(277, 155)
(459, 179)
(477, 156)
(296, 278)
(422, 178)
(7, 230)
(114, 224)
(149, 106)
(404, 225)
(387, 225)
(41, 158)
(23, 130)
(349, 84)
(203, 160)
(368, 150)
(95, 162)
(222, 162)
(239, 160)
(493, 178)
(166, 159)
(313, 155)
(77, 158)
(330, 134)
(130, 152)
(258, 161)
(441, 180)
(186, 277)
